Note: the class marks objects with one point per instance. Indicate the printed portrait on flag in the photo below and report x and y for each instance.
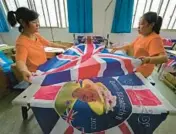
(88, 103)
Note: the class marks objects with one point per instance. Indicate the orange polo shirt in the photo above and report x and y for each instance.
(30, 51)
(150, 45)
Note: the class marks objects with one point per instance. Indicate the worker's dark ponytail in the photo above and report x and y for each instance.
(11, 17)
(153, 18)
(158, 25)
(22, 14)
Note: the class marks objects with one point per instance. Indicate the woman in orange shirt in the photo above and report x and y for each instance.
(148, 46)
(29, 45)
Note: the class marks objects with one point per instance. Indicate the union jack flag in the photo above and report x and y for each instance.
(140, 109)
(84, 61)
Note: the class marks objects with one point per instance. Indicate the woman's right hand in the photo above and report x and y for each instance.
(26, 76)
(114, 49)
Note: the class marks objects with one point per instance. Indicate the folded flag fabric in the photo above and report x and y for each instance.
(170, 66)
(84, 61)
(5, 62)
(125, 105)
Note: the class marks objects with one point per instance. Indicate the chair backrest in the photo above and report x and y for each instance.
(174, 46)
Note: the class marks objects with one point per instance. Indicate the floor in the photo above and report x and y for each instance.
(11, 121)
(167, 127)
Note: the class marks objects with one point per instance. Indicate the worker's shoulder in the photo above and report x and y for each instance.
(22, 41)
(155, 36)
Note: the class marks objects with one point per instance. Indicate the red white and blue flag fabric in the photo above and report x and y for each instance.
(171, 64)
(140, 109)
(84, 61)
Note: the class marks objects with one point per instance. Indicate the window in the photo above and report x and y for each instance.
(53, 13)
(164, 8)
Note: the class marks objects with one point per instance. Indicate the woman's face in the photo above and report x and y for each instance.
(33, 26)
(144, 27)
(86, 94)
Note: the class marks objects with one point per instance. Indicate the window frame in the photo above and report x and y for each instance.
(32, 5)
(168, 27)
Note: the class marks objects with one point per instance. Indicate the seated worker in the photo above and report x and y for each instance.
(30, 44)
(148, 46)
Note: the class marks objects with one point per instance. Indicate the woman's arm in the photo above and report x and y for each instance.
(21, 66)
(157, 54)
(125, 47)
(51, 44)
(158, 59)
(46, 42)
(128, 47)
(21, 56)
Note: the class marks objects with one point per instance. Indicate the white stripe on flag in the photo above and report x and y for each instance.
(74, 73)
(60, 127)
(136, 63)
(121, 56)
(143, 87)
(96, 50)
(42, 103)
(86, 50)
(140, 109)
(103, 65)
(38, 72)
(38, 79)
(75, 50)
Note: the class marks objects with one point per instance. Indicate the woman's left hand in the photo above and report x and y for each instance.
(145, 60)
(63, 46)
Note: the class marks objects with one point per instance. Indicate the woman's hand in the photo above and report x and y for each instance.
(157, 59)
(26, 76)
(113, 50)
(61, 45)
(145, 60)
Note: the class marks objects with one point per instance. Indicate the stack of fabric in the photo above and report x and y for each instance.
(168, 73)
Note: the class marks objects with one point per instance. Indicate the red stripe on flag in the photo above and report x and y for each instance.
(89, 39)
(143, 97)
(124, 128)
(89, 52)
(169, 62)
(69, 117)
(69, 130)
(79, 50)
(67, 57)
(64, 67)
(89, 69)
(47, 92)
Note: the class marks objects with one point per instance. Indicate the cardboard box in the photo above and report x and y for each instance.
(170, 78)
(4, 84)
